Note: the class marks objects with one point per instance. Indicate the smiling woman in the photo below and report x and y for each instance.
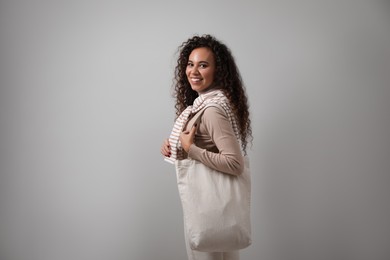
(212, 129)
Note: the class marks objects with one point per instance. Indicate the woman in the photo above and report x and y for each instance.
(206, 74)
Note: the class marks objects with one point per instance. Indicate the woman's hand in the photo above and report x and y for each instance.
(166, 148)
(187, 138)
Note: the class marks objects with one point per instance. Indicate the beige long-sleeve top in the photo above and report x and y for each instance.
(215, 143)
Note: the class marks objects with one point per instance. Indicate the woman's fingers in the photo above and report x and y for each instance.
(166, 148)
(187, 138)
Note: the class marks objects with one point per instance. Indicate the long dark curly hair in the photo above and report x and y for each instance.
(227, 77)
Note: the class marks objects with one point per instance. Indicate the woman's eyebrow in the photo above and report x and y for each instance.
(202, 61)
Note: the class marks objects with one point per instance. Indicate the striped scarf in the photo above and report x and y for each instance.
(203, 100)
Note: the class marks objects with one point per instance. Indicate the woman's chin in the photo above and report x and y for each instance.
(200, 89)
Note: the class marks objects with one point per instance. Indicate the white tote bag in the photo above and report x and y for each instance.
(216, 206)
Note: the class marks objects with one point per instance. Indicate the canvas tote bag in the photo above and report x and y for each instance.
(216, 206)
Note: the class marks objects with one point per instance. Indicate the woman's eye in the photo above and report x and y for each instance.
(190, 64)
(203, 66)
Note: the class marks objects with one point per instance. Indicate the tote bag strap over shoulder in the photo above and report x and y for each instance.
(198, 115)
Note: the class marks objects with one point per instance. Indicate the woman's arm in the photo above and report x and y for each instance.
(229, 160)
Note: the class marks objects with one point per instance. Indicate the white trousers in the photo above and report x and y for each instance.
(197, 255)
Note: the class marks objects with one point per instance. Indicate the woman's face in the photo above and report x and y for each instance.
(200, 69)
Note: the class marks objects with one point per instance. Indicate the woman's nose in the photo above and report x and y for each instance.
(195, 70)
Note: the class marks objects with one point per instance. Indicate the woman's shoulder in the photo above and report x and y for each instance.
(214, 111)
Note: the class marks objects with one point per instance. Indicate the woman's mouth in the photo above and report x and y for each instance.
(196, 80)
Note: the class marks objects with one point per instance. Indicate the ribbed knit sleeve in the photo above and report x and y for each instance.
(215, 143)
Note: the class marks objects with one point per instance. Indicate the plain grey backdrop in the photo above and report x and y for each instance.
(85, 102)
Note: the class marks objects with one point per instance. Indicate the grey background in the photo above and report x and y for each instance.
(85, 103)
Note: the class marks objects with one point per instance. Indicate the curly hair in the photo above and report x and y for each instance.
(227, 76)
